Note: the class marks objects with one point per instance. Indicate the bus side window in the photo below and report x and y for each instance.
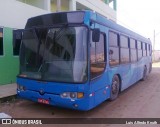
(97, 58)
(124, 50)
(1, 42)
(144, 48)
(139, 48)
(149, 50)
(113, 49)
(133, 50)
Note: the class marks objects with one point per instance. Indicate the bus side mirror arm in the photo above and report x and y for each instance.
(96, 35)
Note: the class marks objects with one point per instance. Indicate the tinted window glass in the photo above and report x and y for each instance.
(144, 46)
(55, 54)
(1, 42)
(148, 49)
(97, 57)
(97, 50)
(93, 52)
(132, 43)
(139, 46)
(124, 55)
(113, 39)
(123, 41)
(144, 49)
(133, 55)
(100, 49)
(113, 56)
(113, 49)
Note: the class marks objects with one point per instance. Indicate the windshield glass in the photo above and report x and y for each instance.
(54, 54)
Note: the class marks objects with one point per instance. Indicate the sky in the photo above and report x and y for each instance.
(141, 16)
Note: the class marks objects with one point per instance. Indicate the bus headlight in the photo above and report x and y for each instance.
(65, 95)
(72, 95)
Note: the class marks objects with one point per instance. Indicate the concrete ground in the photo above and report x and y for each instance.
(142, 100)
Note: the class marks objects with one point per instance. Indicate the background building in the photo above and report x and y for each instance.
(156, 55)
(14, 15)
(16, 12)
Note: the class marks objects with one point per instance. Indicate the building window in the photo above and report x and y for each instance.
(113, 49)
(64, 5)
(1, 42)
(124, 50)
(111, 3)
(17, 37)
(97, 57)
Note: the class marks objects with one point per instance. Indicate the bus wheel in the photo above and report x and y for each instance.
(115, 87)
(144, 73)
(150, 67)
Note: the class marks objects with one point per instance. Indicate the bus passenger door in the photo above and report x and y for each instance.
(97, 68)
(134, 72)
(125, 65)
(125, 75)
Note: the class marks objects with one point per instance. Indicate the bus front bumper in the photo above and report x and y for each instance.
(56, 100)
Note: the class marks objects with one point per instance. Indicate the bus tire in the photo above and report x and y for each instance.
(115, 87)
(144, 73)
(150, 67)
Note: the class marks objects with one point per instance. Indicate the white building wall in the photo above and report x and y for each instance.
(14, 14)
(43, 4)
(97, 6)
(156, 55)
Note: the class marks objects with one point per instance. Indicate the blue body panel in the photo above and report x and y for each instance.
(95, 91)
(53, 90)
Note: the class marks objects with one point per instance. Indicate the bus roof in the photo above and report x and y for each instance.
(80, 17)
(119, 29)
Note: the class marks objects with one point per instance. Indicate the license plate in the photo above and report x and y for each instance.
(43, 101)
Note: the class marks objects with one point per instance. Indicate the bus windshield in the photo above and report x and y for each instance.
(54, 54)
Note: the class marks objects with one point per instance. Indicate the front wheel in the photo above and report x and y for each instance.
(115, 87)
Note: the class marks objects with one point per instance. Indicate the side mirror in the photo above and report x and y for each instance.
(96, 35)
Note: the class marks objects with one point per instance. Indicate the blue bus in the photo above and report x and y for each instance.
(79, 59)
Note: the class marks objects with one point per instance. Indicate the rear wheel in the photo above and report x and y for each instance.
(150, 67)
(144, 73)
(115, 87)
